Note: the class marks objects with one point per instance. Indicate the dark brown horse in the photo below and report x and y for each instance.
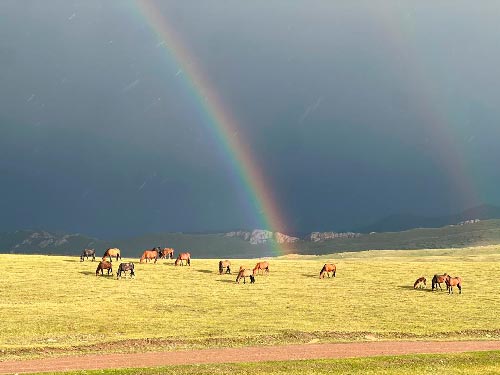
(224, 264)
(112, 252)
(149, 255)
(244, 273)
(261, 266)
(87, 253)
(183, 257)
(327, 268)
(437, 280)
(453, 281)
(167, 252)
(124, 267)
(104, 265)
(421, 282)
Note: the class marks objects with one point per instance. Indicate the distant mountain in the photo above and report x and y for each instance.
(400, 222)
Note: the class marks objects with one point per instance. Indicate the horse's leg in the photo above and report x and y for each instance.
(460, 288)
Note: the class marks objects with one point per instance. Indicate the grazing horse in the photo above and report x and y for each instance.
(150, 255)
(437, 280)
(87, 253)
(453, 281)
(124, 267)
(245, 272)
(112, 252)
(183, 257)
(327, 268)
(104, 265)
(421, 282)
(261, 266)
(224, 264)
(167, 252)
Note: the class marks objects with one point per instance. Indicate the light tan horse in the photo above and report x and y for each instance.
(183, 257)
(112, 252)
(244, 273)
(261, 266)
(421, 282)
(149, 255)
(327, 268)
(224, 264)
(453, 281)
(167, 252)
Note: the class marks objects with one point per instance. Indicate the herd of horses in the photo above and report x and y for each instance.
(261, 268)
(243, 272)
(437, 280)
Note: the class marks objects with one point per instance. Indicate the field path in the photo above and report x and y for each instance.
(248, 354)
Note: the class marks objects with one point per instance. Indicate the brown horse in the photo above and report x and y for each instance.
(183, 257)
(149, 255)
(421, 282)
(104, 265)
(112, 252)
(244, 273)
(167, 252)
(453, 281)
(224, 264)
(327, 268)
(261, 266)
(437, 280)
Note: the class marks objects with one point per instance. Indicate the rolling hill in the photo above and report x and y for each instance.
(485, 232)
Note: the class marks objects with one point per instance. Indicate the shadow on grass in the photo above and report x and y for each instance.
(231, 281)
(409, 287)
(204, 271)
(74, 260)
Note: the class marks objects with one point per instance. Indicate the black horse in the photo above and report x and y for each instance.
(124, 267)
(87, 253)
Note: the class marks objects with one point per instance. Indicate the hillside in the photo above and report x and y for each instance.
(220, 245)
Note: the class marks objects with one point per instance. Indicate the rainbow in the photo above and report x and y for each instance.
(222, 124)
(430, 106)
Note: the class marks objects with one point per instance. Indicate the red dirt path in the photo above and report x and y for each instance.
(248, 354)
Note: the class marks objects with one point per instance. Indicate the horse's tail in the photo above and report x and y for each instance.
(142, 258)
(252, 279)
(434, 282)
(220, 267)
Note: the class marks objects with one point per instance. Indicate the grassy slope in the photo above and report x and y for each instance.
(215, 245)
(54, 303)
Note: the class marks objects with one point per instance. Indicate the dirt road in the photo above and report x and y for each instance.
(248, 354)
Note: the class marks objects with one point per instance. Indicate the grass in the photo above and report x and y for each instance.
(482, 363)
(53, 305)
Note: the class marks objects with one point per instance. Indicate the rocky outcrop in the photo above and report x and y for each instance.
(261, 236)
(466, 222)
(323, 236)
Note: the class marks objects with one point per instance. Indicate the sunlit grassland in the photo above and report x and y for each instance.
(52, 303)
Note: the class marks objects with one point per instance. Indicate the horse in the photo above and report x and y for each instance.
(453, 281)
(224, 264)
(261, 266)
(437, 280)
(124, 267)
(111, 252)
(327, 268)
(150, 255)
(245, 272)
(104, 265)
(421, 282)
(167, 252)
(183, 257)
(87, 253)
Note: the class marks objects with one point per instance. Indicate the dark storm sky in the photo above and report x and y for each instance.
(353, 109)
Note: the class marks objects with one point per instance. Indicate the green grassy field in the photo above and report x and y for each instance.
(55, 305)
(483, 363)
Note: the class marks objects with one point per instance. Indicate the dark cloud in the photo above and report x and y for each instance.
(352, 110)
